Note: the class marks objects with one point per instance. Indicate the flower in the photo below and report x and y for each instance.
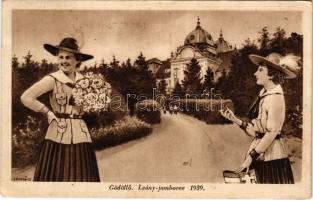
(97, 83)
(88, 90)
(103, 97)
(92, 93)
(77, 91)
(99, 106)
(91, 98)
(79, 101)
(83, 83)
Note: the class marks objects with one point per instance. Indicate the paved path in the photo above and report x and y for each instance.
(180, 149)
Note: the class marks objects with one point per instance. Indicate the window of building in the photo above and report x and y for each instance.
(175, 75)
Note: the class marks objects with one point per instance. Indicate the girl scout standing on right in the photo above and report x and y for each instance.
(266, 154)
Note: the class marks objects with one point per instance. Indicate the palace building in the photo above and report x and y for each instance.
(198, 44)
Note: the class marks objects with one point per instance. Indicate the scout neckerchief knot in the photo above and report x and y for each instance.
(92, 93)
(71, 85)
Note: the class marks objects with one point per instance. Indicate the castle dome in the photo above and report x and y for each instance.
(199, 36)
(222, 45)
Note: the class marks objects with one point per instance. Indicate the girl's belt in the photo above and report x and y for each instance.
(261, 135)
(68, 116)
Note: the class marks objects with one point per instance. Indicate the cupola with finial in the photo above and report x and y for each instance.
(199, 36)
(221, 44)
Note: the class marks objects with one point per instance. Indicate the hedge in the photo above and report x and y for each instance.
(124, 130)
(205, 109)
(148, 111)
(26, 140)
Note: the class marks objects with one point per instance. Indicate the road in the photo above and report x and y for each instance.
(180, 149)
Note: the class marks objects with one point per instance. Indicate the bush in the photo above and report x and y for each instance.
(205, 109)
(26, 140)
(124, 130)
(294, 122)
(148, 111)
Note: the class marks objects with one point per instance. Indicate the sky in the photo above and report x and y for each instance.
(127, 33)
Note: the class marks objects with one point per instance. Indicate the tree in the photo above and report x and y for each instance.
(192, 79)
(294, 44)
(128, 63)
(16, 88)
(178, 90)
(162, 86)
(23, 76)
(144, 79)
(208, 80)
(264, 40)
(278, 42)
(114, 63)
(15, 64)
(223, 85)
(131, 80)
(103, 68)
(141, 63)
(241, 87)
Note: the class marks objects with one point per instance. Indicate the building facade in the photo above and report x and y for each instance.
(198, 44)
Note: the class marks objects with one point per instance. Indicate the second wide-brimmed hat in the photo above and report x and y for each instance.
(67, 44)
(287, 65)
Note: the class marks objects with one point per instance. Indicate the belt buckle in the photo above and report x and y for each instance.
(71, 116)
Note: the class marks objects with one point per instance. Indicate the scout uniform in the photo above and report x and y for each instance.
(67, 153)
(266, 129)
(269, 158)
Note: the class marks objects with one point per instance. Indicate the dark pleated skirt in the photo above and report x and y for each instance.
(67, 163)
(273, 172)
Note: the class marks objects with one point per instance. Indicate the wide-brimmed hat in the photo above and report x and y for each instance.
(67, 44)
(288, 64)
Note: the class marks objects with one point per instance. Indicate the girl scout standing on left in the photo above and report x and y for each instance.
(67, 153)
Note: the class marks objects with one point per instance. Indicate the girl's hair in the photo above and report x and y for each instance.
(278, 77)
(78, 64)
(78, 58)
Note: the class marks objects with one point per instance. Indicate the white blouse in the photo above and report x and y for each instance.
(269, 121)
(65, 131)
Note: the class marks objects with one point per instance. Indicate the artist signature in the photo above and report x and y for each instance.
(21, 179)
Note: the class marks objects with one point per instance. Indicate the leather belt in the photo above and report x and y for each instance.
(68, 116)
(261, 135)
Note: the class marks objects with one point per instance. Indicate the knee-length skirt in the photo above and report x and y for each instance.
(67, 163)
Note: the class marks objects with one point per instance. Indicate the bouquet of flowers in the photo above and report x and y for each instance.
(92, 93)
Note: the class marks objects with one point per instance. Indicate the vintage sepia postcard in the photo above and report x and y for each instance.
(156, 99)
